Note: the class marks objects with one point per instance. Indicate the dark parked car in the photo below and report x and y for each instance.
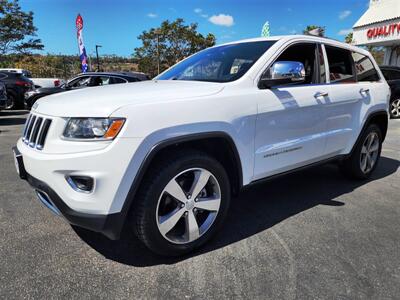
(4, 102)
(16, 86)
(84, 80)
(392, 76)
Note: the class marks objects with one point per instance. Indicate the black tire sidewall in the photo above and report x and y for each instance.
(13, 99)
(355, 159)
(153, 238)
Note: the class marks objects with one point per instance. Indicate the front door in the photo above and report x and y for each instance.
(290, 128)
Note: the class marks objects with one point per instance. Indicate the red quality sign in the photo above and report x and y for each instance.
(383, 30)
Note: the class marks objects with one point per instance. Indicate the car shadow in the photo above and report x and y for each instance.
(12, 117)
(5, 113)
(12, 121)
(258, 208)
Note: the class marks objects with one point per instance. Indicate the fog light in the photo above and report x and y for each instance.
(83, 184)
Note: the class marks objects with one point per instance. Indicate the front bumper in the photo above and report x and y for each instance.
(110, 225)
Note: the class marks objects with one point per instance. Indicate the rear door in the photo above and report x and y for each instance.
(345, 99)
(353, 86)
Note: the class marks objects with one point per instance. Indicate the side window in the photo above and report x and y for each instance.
(365, 70)
(391, 74)
(81, 81)
(395, 75)
(100, 80)
(340, 65)
(304, 53)
(116, 80)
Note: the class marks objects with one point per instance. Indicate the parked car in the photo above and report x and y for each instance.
(392, 76)
(16, 85)
(84, 80)
(165, 156)
(4, 102)
(37, 82)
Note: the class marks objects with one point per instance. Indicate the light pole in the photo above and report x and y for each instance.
(158, 32)
(97, 57)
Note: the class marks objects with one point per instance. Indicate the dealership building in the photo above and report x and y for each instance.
(380, 26)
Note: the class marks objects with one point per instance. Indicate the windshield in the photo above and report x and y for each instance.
(219, 64)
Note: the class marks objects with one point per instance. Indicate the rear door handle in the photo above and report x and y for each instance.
(364, 91)
(321, 94)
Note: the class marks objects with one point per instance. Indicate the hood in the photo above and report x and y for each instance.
(102, 101)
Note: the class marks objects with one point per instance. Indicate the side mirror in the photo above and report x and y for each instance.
(283, 72)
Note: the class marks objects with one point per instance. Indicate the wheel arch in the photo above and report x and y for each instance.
(217, 143)
(380, 118)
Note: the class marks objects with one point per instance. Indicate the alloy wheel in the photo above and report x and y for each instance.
(369, 152)
(188, 206)
(395, 108)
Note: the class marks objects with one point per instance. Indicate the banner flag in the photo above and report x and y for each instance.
(82, 50)
(265, 30)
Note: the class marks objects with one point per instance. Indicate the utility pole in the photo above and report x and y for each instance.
(97, 57)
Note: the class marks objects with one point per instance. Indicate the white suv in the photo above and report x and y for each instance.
(165, 156)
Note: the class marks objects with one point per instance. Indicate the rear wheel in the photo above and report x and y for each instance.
(364, 159)
(394, 109)
(182, 203)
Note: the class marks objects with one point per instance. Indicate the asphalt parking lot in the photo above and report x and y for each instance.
(309, 235)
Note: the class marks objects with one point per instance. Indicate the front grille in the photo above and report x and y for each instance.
(35, 131)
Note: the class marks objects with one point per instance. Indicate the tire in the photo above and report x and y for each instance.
(15, 104)
(365, 156)
(394, 108)
(154, 206)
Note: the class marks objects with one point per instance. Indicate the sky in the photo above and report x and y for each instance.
(116, 24)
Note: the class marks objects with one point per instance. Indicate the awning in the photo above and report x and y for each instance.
(379, 11)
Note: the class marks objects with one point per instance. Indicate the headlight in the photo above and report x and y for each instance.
(93, 128)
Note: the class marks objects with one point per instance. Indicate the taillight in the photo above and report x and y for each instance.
(56, 82)
(23, 83)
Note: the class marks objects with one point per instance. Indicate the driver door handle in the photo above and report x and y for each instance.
(364, 90)
(321, 94)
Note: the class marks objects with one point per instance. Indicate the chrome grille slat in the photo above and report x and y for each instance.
(43, 134)
(30, 128)
(39, 131)
(26, 126)
(35, 131)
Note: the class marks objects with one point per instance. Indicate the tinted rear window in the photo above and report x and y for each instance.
(365, 69)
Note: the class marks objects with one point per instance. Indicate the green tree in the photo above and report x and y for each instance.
(349, 38)
(175, 41)
(17, 32)
(321, 29)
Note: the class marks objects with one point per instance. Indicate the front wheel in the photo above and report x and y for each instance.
(12, 101)
(181, 203)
